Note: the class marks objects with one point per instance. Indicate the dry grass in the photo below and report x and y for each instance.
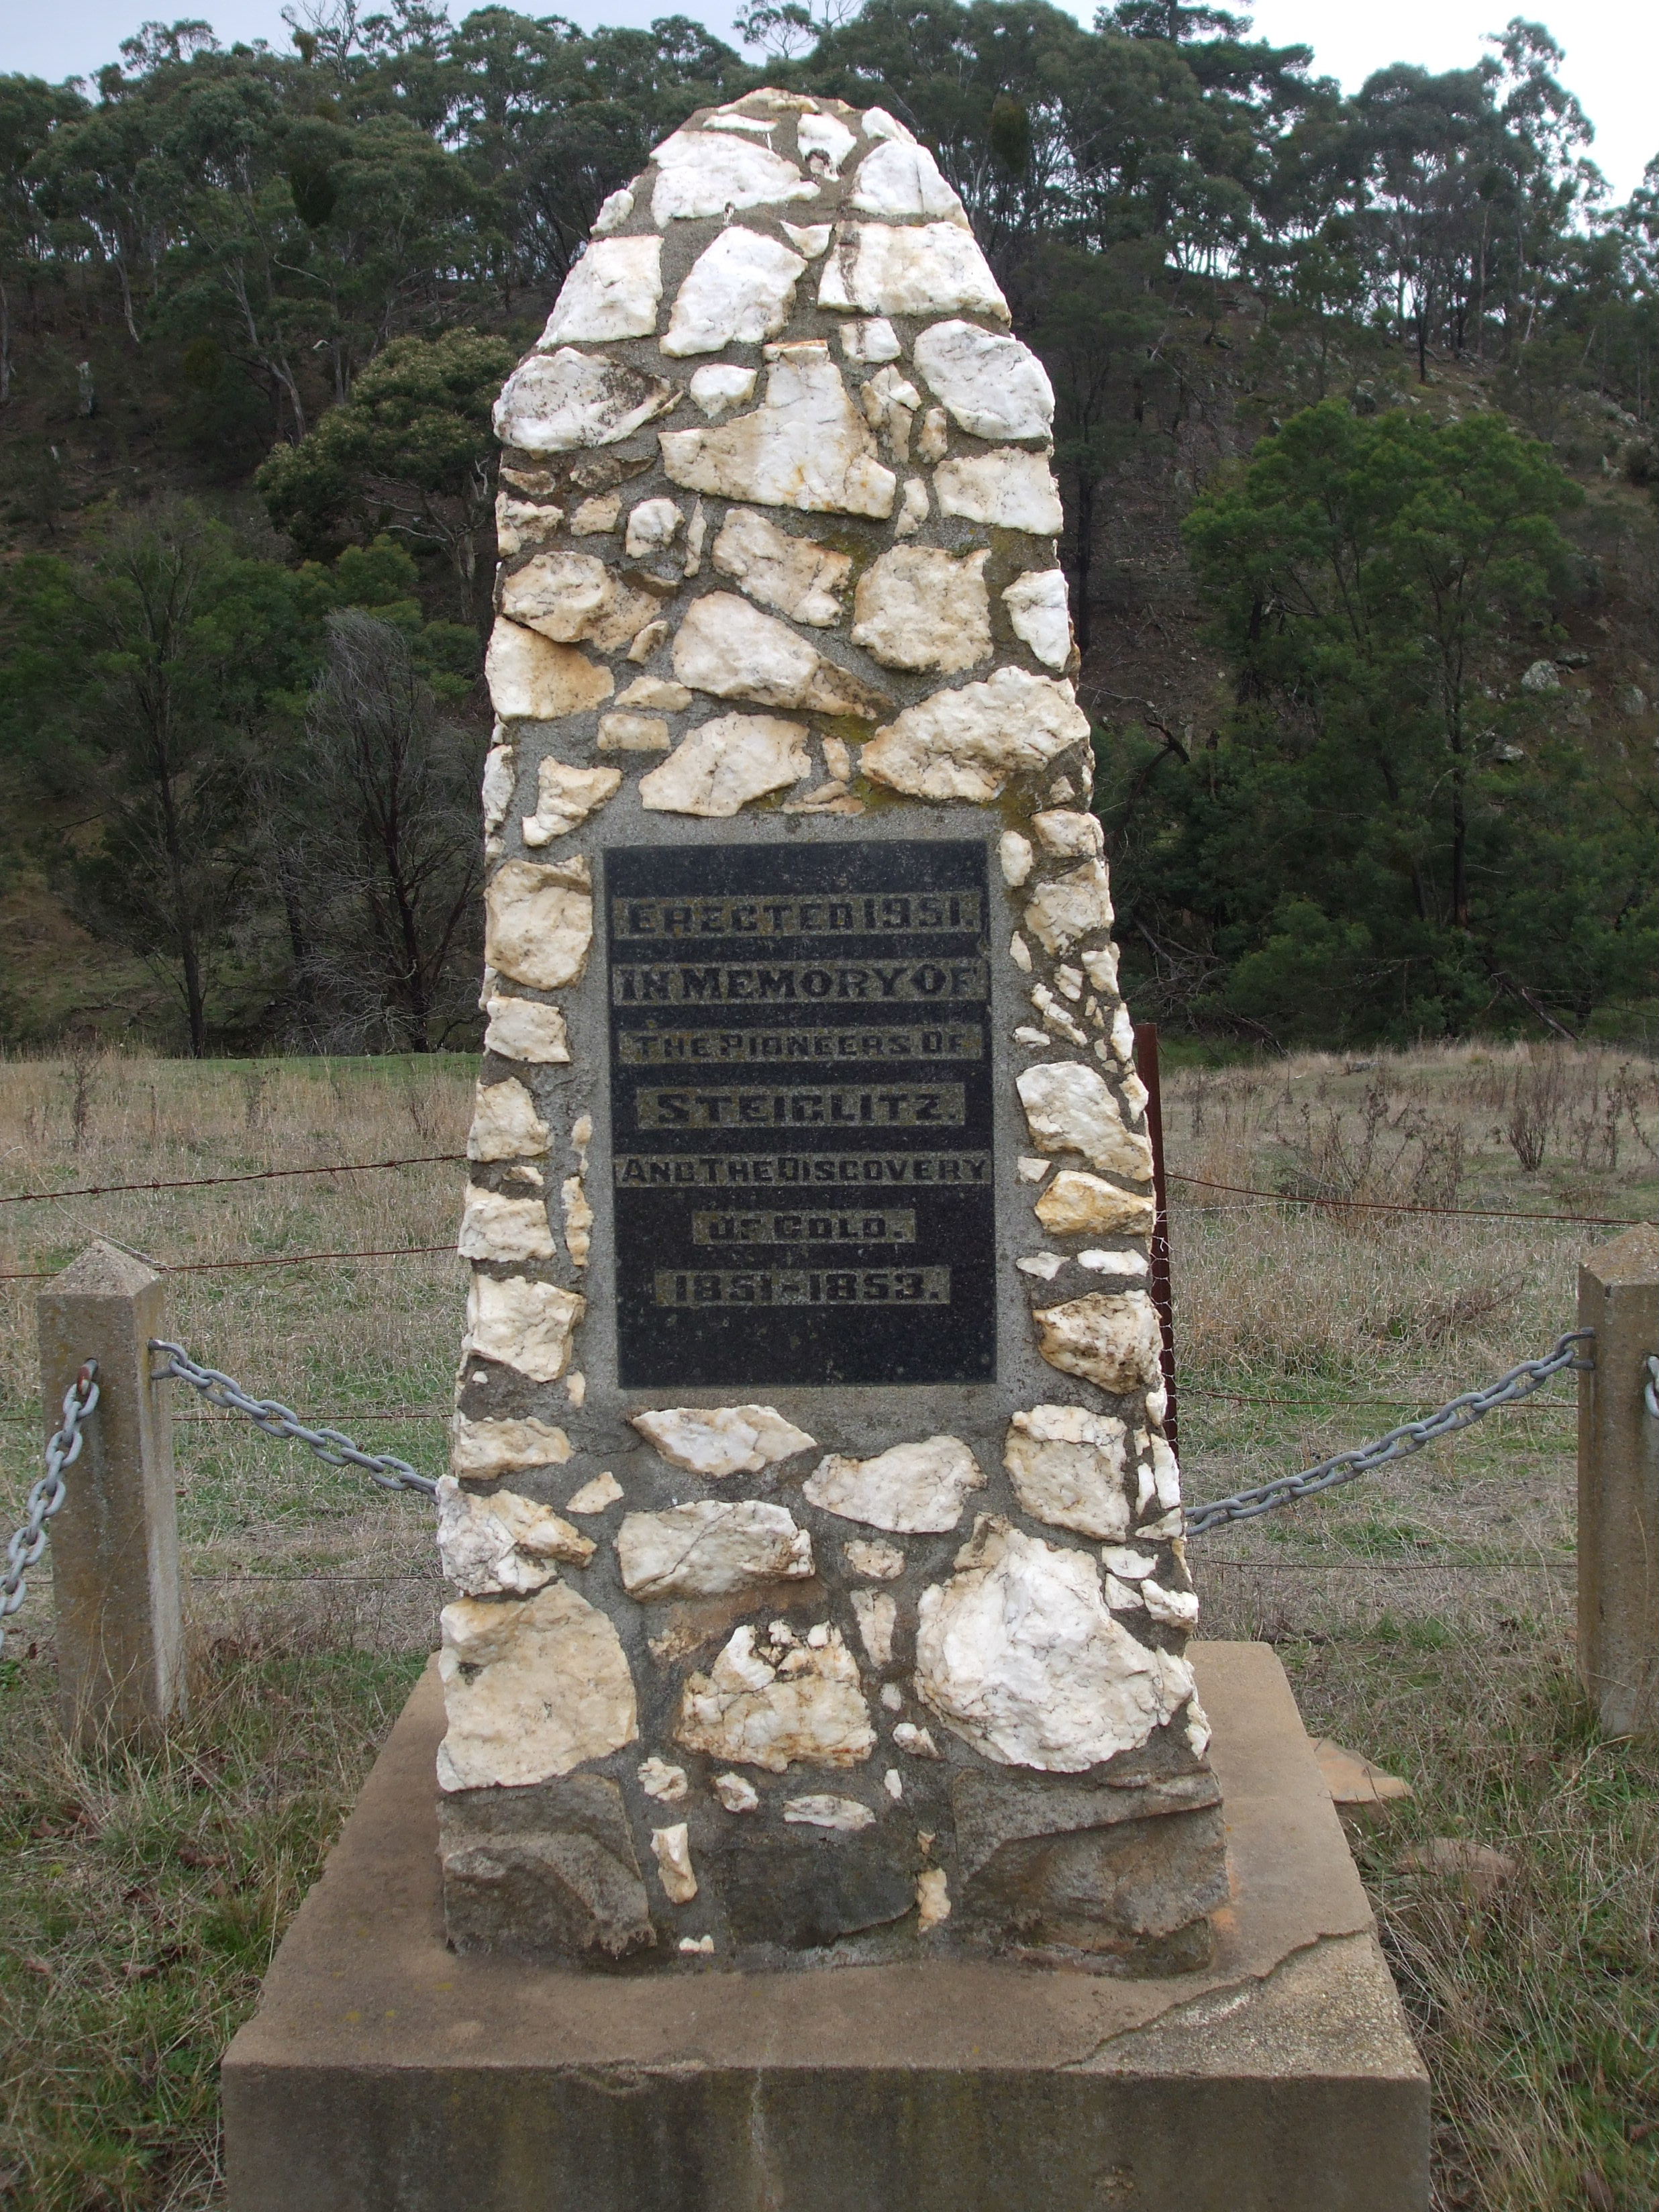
(1424, 1615)
(376, 1338)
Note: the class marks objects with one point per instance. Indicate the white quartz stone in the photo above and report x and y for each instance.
(522, 1029)
(805, 447)
(595, 1496)
(624, 733)
(1066, 835)
(1018, 1654)
(882, 1563)
(503, 1543)
(1126, 1564)
(1114, 1263)
(933, 1899)
(931, 269)
(1198, 1729)
(810, 240)
(1069, 1109)
(750, 125)
(1007, 489)
(572, 597)
(669, 1785)
(720, 385)
(671, 1850)
(727, 647)
(565, 797)
(736, 1793)
(994, 387)
(555, 403)
(933, 439)
(1110, 1338)
(611, 293)
(614, 211)
(524, 1324)
(1067, 1467)
(532, 680)
(496, 1227)
(702, 174)
(578, 1220)
(967, 743)
(844, 1814)
(596, 517)
(876, 1614)
(520, 523)
(653, 526)
(827, 136)
(1077, 1205)
(914, 509)
(1040, 614)
(695, 531)
(718, 1440)
(918, 607)
(766, 1702)
(889, 402)
(878, 124)
(873, 341)
(1166, 1470)
(710, 1548)
(797, 576)
(538, 925)
(1014, 855)
(1046, 1265)
(1170, 1608)
(726, 762)
(505, 1123)
(655, 692)
(908, 1487)
(918, 1741)
(479, 1449)
(533, 1687)
(900, 178)
(496, 791)
(1060, 914)
(739, 291)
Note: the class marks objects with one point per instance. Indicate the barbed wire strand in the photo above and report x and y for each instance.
(47, 1494)
(208, 1182)
(271, 1260)
(1460, 1412)
(1401, 1206)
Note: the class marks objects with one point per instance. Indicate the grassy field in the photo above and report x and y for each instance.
(1425, 1615)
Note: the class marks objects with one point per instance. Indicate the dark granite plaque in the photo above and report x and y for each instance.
(800, 1114)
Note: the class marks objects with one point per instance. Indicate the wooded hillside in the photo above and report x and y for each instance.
(1356, 432)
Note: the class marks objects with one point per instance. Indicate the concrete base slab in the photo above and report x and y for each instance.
(383, 2073)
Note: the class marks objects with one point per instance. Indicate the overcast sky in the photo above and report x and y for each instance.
(1613, 45)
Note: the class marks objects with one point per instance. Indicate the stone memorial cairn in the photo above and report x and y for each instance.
(892, 1666)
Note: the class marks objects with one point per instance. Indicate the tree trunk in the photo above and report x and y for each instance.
(1083, 558)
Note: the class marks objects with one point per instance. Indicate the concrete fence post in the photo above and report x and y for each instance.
(1618, 1485)
(115, 1540)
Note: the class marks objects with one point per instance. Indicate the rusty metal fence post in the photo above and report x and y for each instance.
(1158, 1281)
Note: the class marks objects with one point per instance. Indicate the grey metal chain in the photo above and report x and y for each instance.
(47, 1493)
(272, 1419)
(1460, 1412)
